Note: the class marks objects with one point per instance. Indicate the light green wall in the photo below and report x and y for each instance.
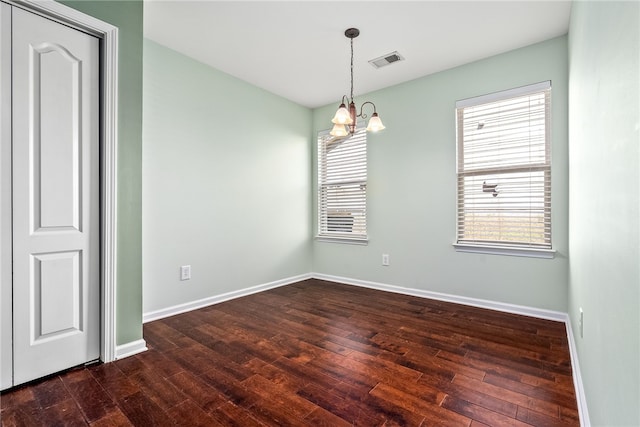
(128, 17)
(604, 218)
(226, 170)
(411, 187)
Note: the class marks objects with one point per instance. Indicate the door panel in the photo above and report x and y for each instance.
(56, 294)
(55, 77)
(56, 316)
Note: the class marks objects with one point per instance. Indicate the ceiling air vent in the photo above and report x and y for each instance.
(387, 59)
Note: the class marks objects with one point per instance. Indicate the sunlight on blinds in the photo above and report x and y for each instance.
(504, 170)
(342, 181)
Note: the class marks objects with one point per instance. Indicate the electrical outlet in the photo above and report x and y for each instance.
(385, 259)
(185, 272)
(581, 323)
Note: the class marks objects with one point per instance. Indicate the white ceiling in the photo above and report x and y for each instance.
(297, 49)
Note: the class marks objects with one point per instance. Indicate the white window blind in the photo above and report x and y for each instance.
(342, 186)
(504, 169)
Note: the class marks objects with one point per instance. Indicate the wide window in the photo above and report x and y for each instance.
(504, 169)
(342, 186)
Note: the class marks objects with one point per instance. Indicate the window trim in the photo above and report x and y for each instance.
(504, 250)
(327, 238)
(346, 240)
(504, 94)
(498, 248)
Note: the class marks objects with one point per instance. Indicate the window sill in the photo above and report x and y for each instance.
(504, 250)
(345, 240)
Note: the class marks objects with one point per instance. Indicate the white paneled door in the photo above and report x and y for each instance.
(55, 196)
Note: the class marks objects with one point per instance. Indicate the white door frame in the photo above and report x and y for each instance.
(6, 302)
(108, 35)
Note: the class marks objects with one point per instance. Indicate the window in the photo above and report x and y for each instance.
(342, 186)
(504, 171)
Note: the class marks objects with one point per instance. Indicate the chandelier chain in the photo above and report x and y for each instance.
(351, 69)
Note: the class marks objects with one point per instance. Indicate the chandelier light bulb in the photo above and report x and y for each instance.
(342, 116)
(375, 124)
(339, 130)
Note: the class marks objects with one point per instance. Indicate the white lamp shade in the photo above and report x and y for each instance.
(375, 124)
(342, 116)
(339, 130)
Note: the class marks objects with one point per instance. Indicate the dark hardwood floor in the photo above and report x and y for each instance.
(318, 353)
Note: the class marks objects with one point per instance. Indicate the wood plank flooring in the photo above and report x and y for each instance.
(317, 353)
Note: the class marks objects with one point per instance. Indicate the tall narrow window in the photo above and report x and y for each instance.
(342, 186)
(504, 169)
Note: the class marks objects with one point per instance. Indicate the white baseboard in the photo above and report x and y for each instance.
(577, 377)
(130, 348)
(215, 299)
(475, 302)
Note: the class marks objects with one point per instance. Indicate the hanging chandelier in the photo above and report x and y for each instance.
(344, 121)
